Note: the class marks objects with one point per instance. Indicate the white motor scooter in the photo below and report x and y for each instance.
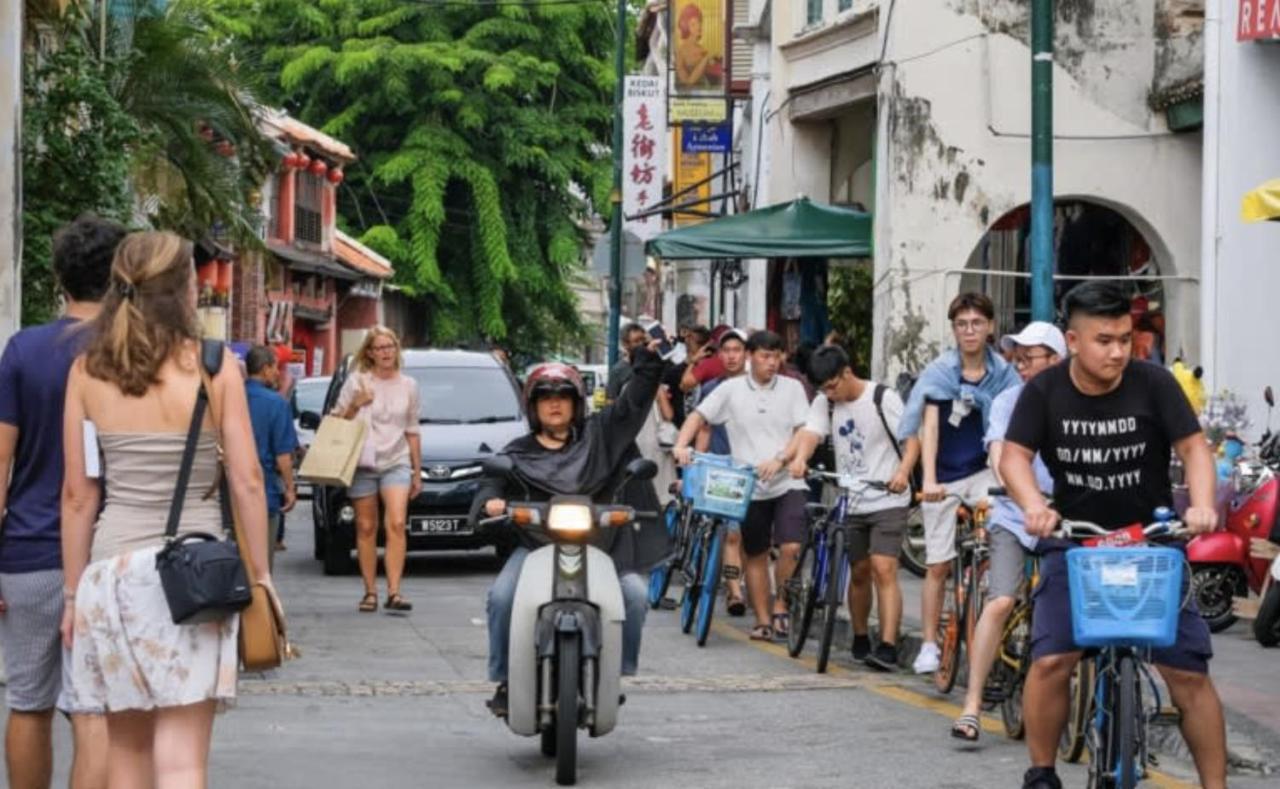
(565, 655)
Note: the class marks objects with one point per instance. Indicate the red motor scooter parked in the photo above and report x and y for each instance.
(1222, 564)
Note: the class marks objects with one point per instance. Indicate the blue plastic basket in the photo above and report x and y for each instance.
(719, 487)
(1125, 596)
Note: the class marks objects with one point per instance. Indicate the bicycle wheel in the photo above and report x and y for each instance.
(836, 560)
(1128, 725)
(1015, 649)
(951, 629)
(710, 586)
(1072, 746)
(660, 578)
(692, 584)
(912, 555)
(802, 594)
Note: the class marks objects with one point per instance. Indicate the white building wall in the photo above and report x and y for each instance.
(1247, 322)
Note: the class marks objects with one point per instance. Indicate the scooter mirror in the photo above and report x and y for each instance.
(642, 469)
(1269, 396)
(499, 466)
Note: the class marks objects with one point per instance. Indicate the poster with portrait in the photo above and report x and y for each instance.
(699, 61)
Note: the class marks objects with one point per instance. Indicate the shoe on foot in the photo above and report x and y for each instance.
(1041, 778)
(929, 659)
(884, 658)
(861, 647)
(498, 704)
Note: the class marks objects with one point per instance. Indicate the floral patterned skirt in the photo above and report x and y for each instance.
(126, 652)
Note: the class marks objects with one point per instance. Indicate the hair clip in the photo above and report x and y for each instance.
(126, 290)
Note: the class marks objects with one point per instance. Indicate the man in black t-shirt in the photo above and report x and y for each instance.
(1105, 427)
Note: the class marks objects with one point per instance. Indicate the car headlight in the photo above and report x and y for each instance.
(569, 518)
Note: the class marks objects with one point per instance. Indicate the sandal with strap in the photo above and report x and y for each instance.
(782, 624)
(368, 603)
(967, 728)
(762, 633)
(397, 603)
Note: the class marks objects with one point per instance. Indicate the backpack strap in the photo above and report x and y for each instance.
(878, 397)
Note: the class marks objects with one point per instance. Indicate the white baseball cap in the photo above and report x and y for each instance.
(1037, 333)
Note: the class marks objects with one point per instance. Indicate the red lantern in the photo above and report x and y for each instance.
(336, 175)
(318, 167)
(303, 161)
(290, 160)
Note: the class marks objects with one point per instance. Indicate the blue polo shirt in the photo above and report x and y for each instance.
(33, 387)
(273, 434)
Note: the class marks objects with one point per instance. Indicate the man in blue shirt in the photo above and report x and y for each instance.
(33, 382)
(274, 434)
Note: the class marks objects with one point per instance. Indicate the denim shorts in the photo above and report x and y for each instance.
(368, 482)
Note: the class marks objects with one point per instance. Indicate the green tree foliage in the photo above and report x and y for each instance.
(850, 300)
(483, 133)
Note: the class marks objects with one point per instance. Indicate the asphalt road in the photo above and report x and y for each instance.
(378, 700)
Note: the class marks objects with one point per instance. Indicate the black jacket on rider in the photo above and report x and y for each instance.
(593, 463)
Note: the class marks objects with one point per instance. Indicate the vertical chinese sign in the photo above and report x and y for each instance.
(692, 168)
(644, 159)
(699, 61)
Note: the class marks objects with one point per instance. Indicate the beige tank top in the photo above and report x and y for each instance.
(140, 471)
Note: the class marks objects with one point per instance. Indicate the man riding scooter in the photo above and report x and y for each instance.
(568, 454)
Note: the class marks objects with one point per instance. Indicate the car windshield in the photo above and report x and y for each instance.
(310, 394)
(465, 395)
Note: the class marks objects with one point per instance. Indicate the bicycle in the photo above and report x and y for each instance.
(1123, 601)
(677, 517)
(719, 492)
(822, 571)
(965, 591)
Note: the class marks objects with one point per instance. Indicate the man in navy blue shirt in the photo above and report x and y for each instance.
(274, 434)
(33, 381)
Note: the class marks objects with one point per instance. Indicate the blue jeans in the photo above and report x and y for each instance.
(502, 595)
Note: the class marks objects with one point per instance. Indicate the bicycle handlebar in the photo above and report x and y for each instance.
(840, 479)
(1076, 530)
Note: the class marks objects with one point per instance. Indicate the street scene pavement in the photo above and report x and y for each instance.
(378, 700)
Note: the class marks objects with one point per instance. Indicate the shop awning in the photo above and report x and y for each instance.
(799, 229)
(1262, 203)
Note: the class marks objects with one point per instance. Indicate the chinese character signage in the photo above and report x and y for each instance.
(644, 159)
(691, 169)
(699, 69)
(1259, 19)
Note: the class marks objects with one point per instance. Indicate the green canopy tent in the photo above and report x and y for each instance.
(799, 229)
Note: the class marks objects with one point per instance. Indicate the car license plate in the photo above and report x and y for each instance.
(439, 526)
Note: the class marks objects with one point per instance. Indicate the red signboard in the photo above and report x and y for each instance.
(1258, 19)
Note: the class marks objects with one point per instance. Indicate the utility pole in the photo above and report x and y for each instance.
(10, 169)
(1042, 307)
(615, 265)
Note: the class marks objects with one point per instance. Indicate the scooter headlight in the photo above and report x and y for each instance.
(569, 518)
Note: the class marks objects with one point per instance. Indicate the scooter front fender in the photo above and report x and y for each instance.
(1219, 547)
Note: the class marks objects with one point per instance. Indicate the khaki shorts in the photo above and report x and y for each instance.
(940, 516)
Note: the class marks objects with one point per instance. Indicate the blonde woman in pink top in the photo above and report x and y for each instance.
(391, 464)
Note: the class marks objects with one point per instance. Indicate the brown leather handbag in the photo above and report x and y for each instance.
(264, 641)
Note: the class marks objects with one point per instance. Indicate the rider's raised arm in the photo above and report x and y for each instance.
(625, 417)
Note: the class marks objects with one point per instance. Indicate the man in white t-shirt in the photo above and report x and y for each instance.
(762, 413)
(864, 418)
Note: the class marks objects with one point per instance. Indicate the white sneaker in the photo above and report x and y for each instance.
(928, 660)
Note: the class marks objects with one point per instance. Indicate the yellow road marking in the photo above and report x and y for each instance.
(910, 697)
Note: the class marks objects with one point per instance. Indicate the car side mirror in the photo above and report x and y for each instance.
(309, 420)
(500, 466)
(1269, 396)
(642, 469)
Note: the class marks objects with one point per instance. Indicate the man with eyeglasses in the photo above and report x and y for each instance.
(948, 413)
(1036, 348)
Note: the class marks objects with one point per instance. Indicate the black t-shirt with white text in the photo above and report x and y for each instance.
(1108, 454)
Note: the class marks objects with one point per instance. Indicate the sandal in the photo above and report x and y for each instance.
(967, 728)
(782, 625)
(397, 603)
(762, 633)
(368, 603)
(733, 601)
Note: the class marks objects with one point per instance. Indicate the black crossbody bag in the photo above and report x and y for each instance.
(203, 576)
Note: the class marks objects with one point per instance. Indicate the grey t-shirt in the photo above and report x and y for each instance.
(761, 419)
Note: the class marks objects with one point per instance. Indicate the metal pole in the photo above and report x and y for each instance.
(615, 265)
(1042, 307)
(10, 169)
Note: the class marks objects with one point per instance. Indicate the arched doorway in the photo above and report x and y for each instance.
(1090, 240)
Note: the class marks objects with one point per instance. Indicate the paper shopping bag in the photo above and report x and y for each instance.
(333, 456)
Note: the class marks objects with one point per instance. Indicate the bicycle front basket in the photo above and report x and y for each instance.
(1125, 596)
(720, 489)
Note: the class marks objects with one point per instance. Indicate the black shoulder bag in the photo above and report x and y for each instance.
(203, 576)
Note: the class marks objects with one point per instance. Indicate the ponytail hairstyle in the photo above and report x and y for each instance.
(147, 314)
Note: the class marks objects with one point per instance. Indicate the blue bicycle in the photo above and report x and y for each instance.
(822, 572)
(1124, 600)
(702, 577)
(677, 517)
